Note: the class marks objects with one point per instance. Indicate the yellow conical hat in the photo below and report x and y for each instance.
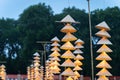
(79, 45)
(69, 37)
(55, 48)
(55, 58)
(36, 64)
(68, 54)
(102, 78)
(55, 39)
(77, 62)
(77, 51)
(103, 33)
(103, 25)
(77, 74)
(56, 68)
(68, 28)
(55, 71)
(68, 72)
(51, 64)
(36, 58)
(55, 44)
(68, 63)
(55, 63)
(103, 56)
(104, 72)
(77, 68)
(37, 61)
(104, 40)
(79, 41)
(50, 77)
(78, 57)
(67, 46)
(104, 48)
(55, 53)
(103, 64)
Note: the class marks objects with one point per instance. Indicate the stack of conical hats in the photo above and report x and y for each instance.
(28, 72)
(78, 58)
(55, 55)
(103, 50)
(41, 71)
(2, 72)
(31, 72)
(68, 46)
(36, 66)
(48, 71)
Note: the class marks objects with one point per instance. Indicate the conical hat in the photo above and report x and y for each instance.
(78, 57)
(69, 37)
(103, 25)
(55, 71)
(51, 64)
(68, 63)
(68, 28)
(68, 54)
(68, 72)
(104, 41)
(36, 61)
(77, 62)
(104, 48)
(103, 64)
(36, 58)
(50, 67)
(55, 39)
(79, 41)
(103, 56)
(36, 64)
(55, 48)
(56, 68)
(55, 63)
(75, 77)
(55, 53)
(55, 58)
(104, 72)
(102, 78)
(36, 54)
(50, 77)
(77, 68)
(77, 51)
(79, 45)
(77, 74)
(55, 44)
(67, 46)
(68, 19)
(103, 33)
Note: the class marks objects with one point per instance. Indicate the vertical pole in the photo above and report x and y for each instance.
(45, 51)
(44, 58)
(91, 47)
(60, 77)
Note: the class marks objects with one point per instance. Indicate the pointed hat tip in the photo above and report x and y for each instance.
(103, 25)
(68, 19)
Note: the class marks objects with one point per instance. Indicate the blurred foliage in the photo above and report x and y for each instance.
(18, 38)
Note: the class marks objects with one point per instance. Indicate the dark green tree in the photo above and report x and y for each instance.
(9, 44)
(35, 24)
